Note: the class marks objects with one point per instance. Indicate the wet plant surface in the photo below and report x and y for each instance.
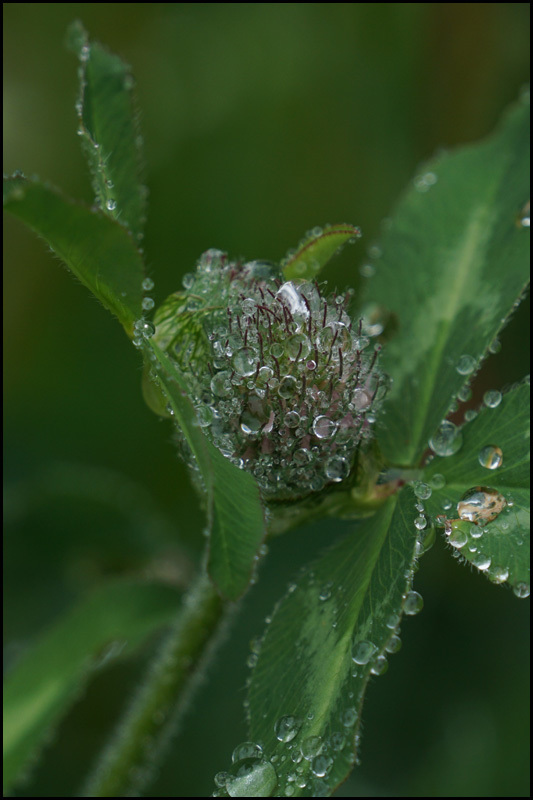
(291, 403)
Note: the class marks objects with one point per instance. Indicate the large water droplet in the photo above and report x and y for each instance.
(292, 298)
(251, 777)
(480, 505)
(490, 457)
(246, 750)
(324, 427)
(522, 589)
(447, 440)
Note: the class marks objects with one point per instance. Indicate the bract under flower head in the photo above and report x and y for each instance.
(282, 379)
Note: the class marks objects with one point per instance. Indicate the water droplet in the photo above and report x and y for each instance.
(221, 384)
(495, 346)
(424, 182)
(392, 621)
(251, 777)
(492, 398)
(147, 284)
(321, 766)
(457, 537)
(111, 204)
(490, 457)
(221, 778)
(447, 440)
(245, 362)
(361, 399)
(337, 469)
(393, 645)
(481, 561)
(524, 216)
(367, 270)
(413, 603)
(480, 505)
(147, 304)
(287, 387)
(324, 427)
(311, 747)
(438, 481)
(246, 750)
(292, 419)
(249, 306)
(521, 590)
(422, 490)
(380, 666)
(298, 347)
(362, 652)
(250, 423)
(292, 298)
(498, 574)
(466, 365)
(420, 523)
(287, 727)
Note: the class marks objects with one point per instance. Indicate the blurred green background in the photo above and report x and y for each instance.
(260, 120)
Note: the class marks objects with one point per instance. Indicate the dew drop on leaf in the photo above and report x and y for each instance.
(521, 590)
(481, 561)
(490, 457)
(422, 490)
(498, 574)
(480, 505)
(413, 603)
(287, 727)
(362, 652)
(251, 777)
(492, 398)
(457, 537)
(466, 365)
(311, 747)
(447, 440)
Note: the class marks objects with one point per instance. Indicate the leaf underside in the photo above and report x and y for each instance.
(96, 249)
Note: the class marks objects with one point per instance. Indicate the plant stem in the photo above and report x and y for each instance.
(127, 762)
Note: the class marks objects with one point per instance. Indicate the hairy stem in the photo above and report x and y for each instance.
(127, 762)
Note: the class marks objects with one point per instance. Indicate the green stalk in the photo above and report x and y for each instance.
(127, 762)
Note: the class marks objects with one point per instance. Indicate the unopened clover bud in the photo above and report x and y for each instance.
(284, 383)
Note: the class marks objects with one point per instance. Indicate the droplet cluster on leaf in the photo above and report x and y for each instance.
(284, 383)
